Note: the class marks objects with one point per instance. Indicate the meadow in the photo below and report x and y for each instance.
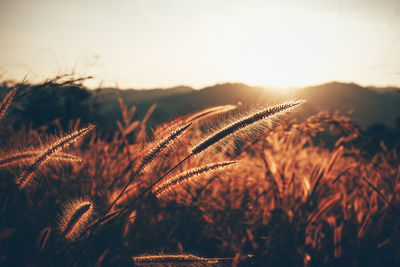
(221, 186)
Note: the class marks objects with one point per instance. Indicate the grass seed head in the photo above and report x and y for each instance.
(75, 217)
(161, 145)
(27, 176)
(244, 123)
(7, 101)
(191, 178)
(176, 260)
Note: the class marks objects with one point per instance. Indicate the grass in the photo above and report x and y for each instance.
(287, 201)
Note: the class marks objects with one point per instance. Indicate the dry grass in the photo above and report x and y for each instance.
(289, 200)
(171, 260)
(193, 178)
(75, 217)
(26, 177)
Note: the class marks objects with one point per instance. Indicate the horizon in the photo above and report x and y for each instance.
(288, 89)
(154, 44)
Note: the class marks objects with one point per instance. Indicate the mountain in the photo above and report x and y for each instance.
(369, 105)
(108, 110)
(40, 105)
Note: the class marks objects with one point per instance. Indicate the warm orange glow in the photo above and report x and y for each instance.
(146, 44)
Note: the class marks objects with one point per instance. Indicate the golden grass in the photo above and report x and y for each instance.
(74, 218)
(193, 178)
(243, 123)
(6, 101)
(29, 156)
(171, 260)
(27, 176)
(290, 201)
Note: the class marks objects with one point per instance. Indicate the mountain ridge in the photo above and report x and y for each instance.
(370, 104)
(44, 104)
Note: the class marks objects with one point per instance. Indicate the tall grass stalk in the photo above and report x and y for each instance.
(157, 149)
(26, 177)
(75, 218)
(7, 101)
(243, 123)
(181, 259)
(191, 177)
(221, 134)
(20, 157)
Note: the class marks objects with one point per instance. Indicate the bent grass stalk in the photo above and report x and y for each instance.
(194, 118)
(168, 258)
(221, 134)
(191, 177)
(151, 186)
(243, 123)
(188, 119)
(7, 101)
(160, 146)
(19, 157)
(26, 177)
(74, 218)
(210, 112)
(212, 139)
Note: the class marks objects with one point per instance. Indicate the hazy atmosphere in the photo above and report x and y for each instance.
(147, 44)
(180, 133)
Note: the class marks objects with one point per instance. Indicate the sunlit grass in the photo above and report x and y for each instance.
(288, 200)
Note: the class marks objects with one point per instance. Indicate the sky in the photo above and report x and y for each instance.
(165, 43)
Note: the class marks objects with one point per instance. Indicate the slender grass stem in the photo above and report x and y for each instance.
(151, 186)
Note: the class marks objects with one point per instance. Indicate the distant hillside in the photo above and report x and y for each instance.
(370, 105)
(40, 104)
(108, 108)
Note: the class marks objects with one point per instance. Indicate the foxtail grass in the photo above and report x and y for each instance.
(243, 123)
(179, 260)
(194, 118)
(221, 134)
(27, 176)
(229, 130)
(160, 146)
(154, 152)
(192, 178)
(206, 113)
(26, 156)
(75, 218)
(7, 101)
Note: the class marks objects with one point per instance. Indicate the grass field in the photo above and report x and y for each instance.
(252, 191)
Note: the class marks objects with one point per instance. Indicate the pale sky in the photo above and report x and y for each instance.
(163, 43)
